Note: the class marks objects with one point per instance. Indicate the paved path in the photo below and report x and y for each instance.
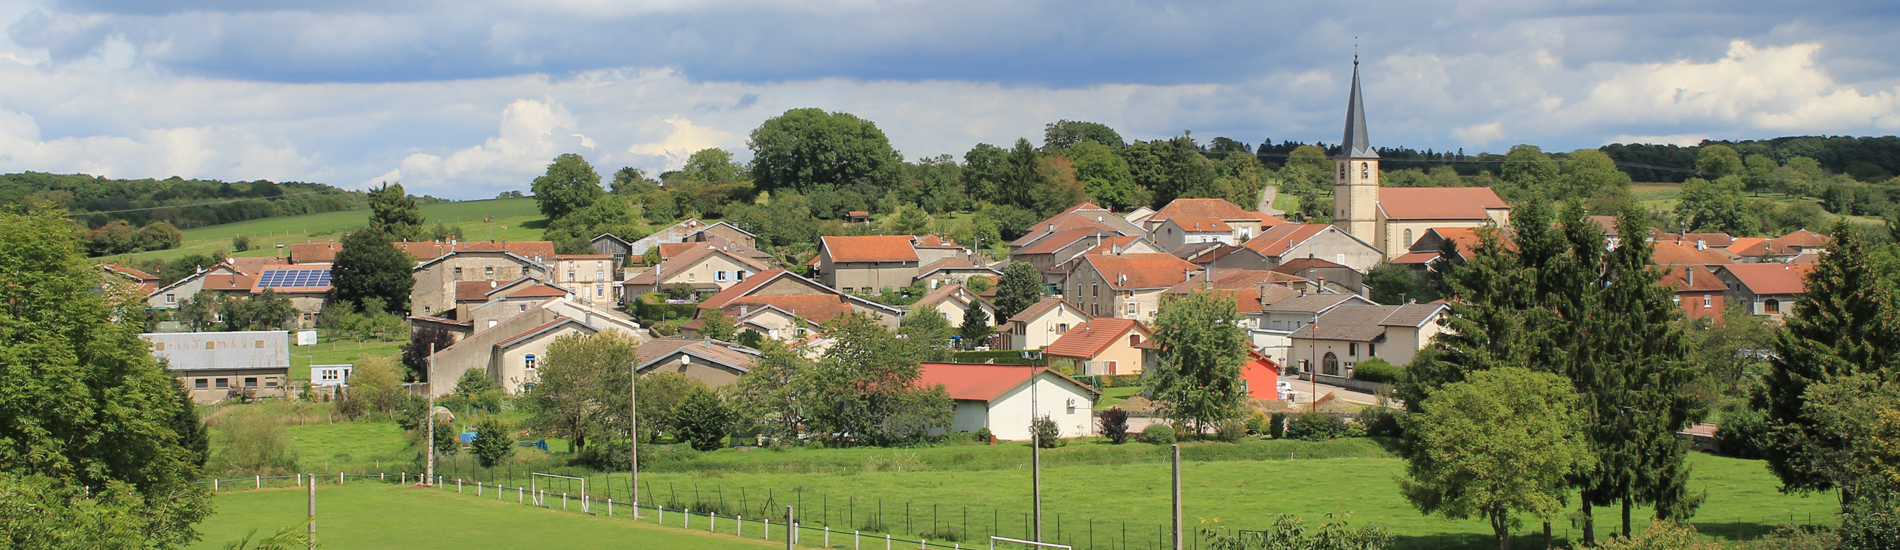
(1266, 201)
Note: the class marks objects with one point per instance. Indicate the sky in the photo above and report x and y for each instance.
(468, 98)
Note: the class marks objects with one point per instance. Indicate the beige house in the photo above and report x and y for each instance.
(711, 361)
(1283, 243)
(866, 264)
(215, 366)
(1126, 286)
(307, 286)
(510, 349)
(705, 267)
(784, 306)
(1244, 224)
(594, 278)
(1175, 233)
(952, 301)
(1391, 218)
(435, 288)
(1041, 324)
(688, 230)
(1348, 334)
(1100, 346)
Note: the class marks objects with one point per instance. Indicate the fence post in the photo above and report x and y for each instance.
(259, 480)
(688, 522)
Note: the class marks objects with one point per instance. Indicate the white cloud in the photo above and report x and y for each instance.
(1772, 88)
(531, 133)
(1480, 134)
(684, 140)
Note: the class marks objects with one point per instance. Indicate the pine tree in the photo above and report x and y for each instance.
(976, 326)
(395, 213)
(1843, 325)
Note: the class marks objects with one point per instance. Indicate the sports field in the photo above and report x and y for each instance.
(371, 516)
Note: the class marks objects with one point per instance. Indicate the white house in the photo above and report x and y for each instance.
(330, 375)
(998, 397)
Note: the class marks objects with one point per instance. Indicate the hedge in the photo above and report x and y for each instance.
(652, 307)
(1000, 357)
(1376, 370)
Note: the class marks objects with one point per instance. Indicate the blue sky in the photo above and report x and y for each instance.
(468, 98)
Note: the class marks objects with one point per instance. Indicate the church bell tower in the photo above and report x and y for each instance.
(1356, 173)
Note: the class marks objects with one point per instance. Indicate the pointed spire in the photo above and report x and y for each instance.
(1355, 145)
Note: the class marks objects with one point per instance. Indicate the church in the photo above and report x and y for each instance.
(1392, 218)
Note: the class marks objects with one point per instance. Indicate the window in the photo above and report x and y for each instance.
(528, 361)
(599, 291)
(719, 276)
(458, 274)
(250, 382)
(1095, 310)
(1706, 299)
(1365, 171)
(222, 383)
(524, 307)
(1771, 307)
(1371, 349)
(199, 383)
(159, 346)
(1408, 238)
(740, 274)
(692, 277)
(270, 382)
(260, 343)
(1352, 348)
(1062, 328)
(1133, 309)
(1095, 290)
(1134, 339)
(1342, 171)
(1330, 364)
(171, 298)
(570, 274)
(488, 272)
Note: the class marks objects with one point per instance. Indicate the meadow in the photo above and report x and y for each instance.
(513, 219)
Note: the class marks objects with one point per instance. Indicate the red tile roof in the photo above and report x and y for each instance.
(474, 291)
(1060, 222)
(1277, 240)
(740, 290)
(1202, 225)
(1132, 271)
(669, 250)
(1801, 239)
(1685, 253)
(538, 291)
(1302, 264)
(1044, 306)
(421, 251)
(816, 308)
(1090, 338)
(869, 248)
(1438, 203)
(220, 281)
(1748, 247)
(1218, 209)
(314, 252)
(129, 272)
(1693, 278)
(1770, 278)
(967, 382)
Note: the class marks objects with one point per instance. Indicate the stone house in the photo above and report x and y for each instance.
(705, 267)
(435, 288)
(1766, 289)
(867, 264)
(510, 350)
(215, 366)
(1040, 324)
(1126, 286)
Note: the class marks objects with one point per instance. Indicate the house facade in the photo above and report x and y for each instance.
(1126, 286)
(1103, 345)
(711, 361)
(1346, 335)
(1006, 398)
(706, 268)
(436, 279)
(1766, 289)
(1040, 324)
(214, 366)
(867, 264)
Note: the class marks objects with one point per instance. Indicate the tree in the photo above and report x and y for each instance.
(1395, 284)
(159, 235)
(395, 213)
(1717, 161)
(116, 237)
(712, 165)
(374, 379)
(702, 420)
(192, 434)
(1527, 173)
(1713, 206)
(1115, 425)
(1176, 169)
(1020, 287)
(661, 394)
(1063, 135)
(1104, 174)
(771, 395)
(1060, 189)
(976, 326)
(1589, 172)
(983, 172)
(1202, 349)
(493, 443)
(715, 325)
(569, 185)
(1500, 444)
(422, 342)
(864, 388)
(633, 182)
(579, 384)
(805, 148)
(1022, 176)
(90, 414)
(1844, 324)
(929, 330)
(368, 267)
(910, 220)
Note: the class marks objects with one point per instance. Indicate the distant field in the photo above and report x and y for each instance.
(373, 516)
(514, 219)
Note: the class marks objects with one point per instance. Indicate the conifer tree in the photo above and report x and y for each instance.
(976, 326)
(1843, 325)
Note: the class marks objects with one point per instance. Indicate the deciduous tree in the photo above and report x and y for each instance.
(1202, 349)
(569, 185)
(582, 379)
(1020, 287)
(702, 420)
(805, 148)
(864, 389)
(369, 266)
(493, 442)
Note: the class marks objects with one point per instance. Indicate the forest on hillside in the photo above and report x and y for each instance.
(182, 203)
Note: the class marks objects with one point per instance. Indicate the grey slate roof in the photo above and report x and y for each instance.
(1355, 144)
(732, 355)
(1312, 303)
(1366, 323)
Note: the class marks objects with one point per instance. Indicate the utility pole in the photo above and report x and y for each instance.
(1177, 497)
(312, 543)
(1035, 455)
(428, 417)
(633, 432)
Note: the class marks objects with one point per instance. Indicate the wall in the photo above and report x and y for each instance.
(1392, 240)
(1009, 415)
(1039, 333)
(592, 280)
(706, 271)
(862, 275)
(435, 284)
(508, 365)
(268, 382)
(1692, 304)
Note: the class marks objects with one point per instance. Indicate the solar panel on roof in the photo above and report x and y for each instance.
(294, 278)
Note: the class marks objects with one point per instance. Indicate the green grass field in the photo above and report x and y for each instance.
(514, 219)
(334, 352)
(1114, 396)
(373, 516)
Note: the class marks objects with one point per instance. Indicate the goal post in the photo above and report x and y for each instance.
(534, 486)
(1026, 543)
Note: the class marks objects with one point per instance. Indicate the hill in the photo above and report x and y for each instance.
(96, 201)
(498, 219)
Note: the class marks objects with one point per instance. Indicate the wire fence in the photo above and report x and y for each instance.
(859, 523)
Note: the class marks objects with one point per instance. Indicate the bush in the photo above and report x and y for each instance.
(1115, 425)
(1744, 433)
(679, 291)
(492, 443)
(255, 444)
(1230, 430)
(1662, 535)
(1158, 434)
(1315, 426)
(240, 243)
(982, 435)
(1276, 425)
(1048, 434)
(652, 307)
(1257, 423)
(1381, 421)
(1376, 370)
(702, 420)
(350, 405)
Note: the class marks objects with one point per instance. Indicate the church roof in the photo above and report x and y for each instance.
(1355, 144)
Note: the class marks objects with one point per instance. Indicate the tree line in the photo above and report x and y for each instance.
(97, 201)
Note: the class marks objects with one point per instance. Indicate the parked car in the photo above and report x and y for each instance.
(1286, 391)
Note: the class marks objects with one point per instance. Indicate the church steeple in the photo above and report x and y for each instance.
(1355, 145)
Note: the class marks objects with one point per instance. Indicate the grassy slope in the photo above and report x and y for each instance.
(1114, 396)
(515, 219)
(334, 352)
(373, 516)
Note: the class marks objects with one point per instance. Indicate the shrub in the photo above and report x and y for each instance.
(1158, 434)
(350, 405)
(1381, 421)
(1048, 434)
(492, 443)
(1315, 426)
(1115, 425)
(1376, 370)
(1276, 425)
(679, 291)
(1662, 535)
(1257, 423)
(702, 420)
(982, 435)
(240, 243)
(254, 444)
(1230, 430)
(1744, 433)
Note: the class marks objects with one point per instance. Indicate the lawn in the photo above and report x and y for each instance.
(373, 516)
(1114, 396)
(514, 219)
(334, 352)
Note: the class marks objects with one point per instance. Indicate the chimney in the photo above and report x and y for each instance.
(743, 310)
(1187, 275)
(1052, 228)
(1701, 244)
(1121, 279)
